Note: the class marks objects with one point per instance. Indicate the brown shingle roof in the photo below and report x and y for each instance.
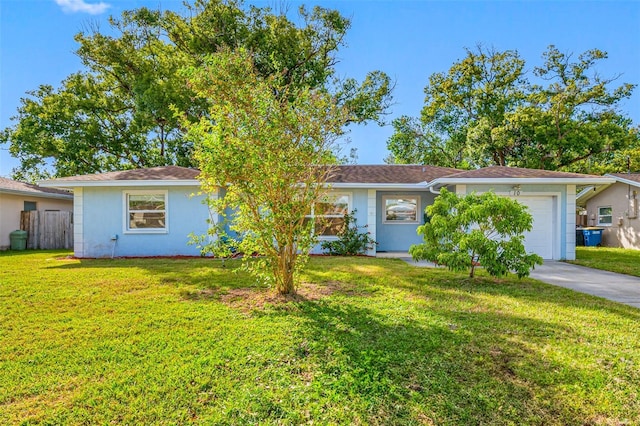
(388, 173)
(14, 186)
(343, 174)
(502, 172)
(153, 173)
(635, 177)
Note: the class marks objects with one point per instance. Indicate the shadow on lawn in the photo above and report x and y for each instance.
(525, 289)
(423, 346)
(200, 273)
(448, 371)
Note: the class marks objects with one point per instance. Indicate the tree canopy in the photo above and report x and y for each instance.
(489, 110)
(118, 111)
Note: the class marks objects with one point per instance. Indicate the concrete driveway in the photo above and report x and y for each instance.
(608, 285)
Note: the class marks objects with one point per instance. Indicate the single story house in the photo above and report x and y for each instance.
(151, 212)
(16, 197)
(614, 207)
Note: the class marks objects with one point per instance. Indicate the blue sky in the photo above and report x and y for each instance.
(409, 40)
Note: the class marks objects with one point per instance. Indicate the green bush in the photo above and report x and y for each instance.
(351, 241)
(485, 229)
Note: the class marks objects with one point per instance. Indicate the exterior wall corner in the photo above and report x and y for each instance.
(78, 222)
(371, 219)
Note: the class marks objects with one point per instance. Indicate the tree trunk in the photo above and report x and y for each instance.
(285, 283)
(473, 266)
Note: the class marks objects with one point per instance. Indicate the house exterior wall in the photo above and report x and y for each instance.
(564, 234)
(101, 215)
(399, 236)
(12, 204)
(624, 230)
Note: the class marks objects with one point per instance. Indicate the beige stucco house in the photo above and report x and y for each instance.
(614, 208)
(16, 197)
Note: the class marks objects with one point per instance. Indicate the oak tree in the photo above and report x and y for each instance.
(117, 112)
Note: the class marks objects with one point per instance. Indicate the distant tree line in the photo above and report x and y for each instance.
(488, 109)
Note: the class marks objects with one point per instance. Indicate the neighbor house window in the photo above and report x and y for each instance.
(29, 206)
(328, 215)
(400, 209)
(605, 215)
(145, 211)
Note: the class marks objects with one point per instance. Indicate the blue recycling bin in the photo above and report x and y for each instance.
(592, 236)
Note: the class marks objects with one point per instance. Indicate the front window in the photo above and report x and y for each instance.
(605, 216)
(401, 209)
(146, 211)
(328, 215)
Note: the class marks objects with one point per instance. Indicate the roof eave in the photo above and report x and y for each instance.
(589, 192)
(37, 194)
(623, 180)
(114, 183)
(549, 181)
(356, 185)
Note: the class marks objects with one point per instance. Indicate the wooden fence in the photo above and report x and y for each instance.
(48, 229)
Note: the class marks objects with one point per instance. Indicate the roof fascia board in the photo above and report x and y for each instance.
(112, 183)
(585, 192)
(548, 181)
(37, 194)
(411, 186)
(623, 180)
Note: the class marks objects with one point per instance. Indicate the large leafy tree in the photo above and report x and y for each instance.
(572, 119)
(118, 112)
(256, 148)
(485, 110)
(463, 108)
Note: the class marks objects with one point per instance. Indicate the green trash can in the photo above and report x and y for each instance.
(18, 240)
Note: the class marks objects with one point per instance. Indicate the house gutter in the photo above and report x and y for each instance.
(38, 194)
(405, 186)
(112, 183)
(548, 181)
(623, 180)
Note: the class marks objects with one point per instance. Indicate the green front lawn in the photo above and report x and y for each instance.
(624, 261)
(369, 341)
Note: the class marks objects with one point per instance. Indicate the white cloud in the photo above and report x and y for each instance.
(82, 6)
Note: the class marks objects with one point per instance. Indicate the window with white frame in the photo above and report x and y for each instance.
(400, 208)
(328, 215)
(145, 211)
(605, 215)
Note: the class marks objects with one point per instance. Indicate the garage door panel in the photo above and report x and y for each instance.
(540, 239)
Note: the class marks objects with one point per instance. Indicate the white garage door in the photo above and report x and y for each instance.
(540, 239)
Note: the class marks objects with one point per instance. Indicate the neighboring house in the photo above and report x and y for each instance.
(16, 197)
(151, 212)
(614, 207)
